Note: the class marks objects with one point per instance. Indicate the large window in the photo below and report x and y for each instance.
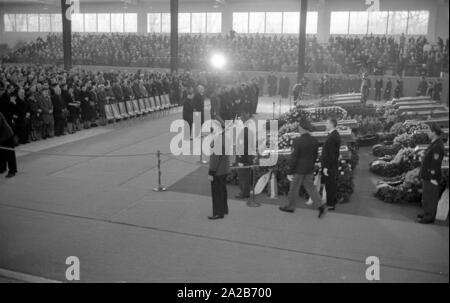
(397, 23)
(104, 23)
(21, 22)
(130, 23)
(78, 23)
(256, 22)
(418, 22)
(45, 23)
(187, 22)
(165, 22)
(240, 22)
(291, 22)
(311, 22)
(198, 23)
(379, 23)
(339, 23)
(9, 21)
(357, 23)
(273, 22)
(154, 23)
(117, 23)
(56, 22)
(90, 23)
(184, 23)
(33, 22)
(213, 23)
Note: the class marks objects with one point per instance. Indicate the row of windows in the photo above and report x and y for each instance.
(379, 23)
(273, 22)
(341, 23)
(187, 22)
(104, 23)
(32, 22)
(80, 23)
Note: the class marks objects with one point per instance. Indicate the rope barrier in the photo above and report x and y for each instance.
(158, 154)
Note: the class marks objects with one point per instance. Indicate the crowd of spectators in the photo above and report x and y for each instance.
(373, 55)
(39, 102)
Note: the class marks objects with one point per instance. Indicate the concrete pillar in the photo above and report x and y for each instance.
(227, 19)
(173, 35)
(323, 24)
(302, 40)
(66, 33)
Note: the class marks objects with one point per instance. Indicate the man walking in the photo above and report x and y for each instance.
(330, 162)
(301, 171)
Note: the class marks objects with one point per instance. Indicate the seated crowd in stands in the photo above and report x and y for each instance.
(374, 55)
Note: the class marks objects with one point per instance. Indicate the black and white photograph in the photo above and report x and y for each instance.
(222, 149)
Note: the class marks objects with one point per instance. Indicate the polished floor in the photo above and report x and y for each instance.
(90, 196)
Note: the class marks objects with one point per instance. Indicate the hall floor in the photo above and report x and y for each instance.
(67, 200)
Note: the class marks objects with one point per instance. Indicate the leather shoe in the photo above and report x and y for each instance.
(420, 216)
(241, 197)
(285, 209)
(424, 221)
(215, 217)
(10, 175)
(321, 211)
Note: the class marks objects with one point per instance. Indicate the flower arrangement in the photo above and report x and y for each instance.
(407, 188)
(381, 150)
(405, 160)
(411, 140)
(409, 127)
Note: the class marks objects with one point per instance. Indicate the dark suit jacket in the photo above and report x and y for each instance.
(304, 155)
(219, 165)
(432, 161)
(199, 105)
(6, 131)
(330, 151)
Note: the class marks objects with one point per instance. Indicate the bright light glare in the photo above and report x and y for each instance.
(218, 61)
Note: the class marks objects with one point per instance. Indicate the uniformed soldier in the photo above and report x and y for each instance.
(430, 172)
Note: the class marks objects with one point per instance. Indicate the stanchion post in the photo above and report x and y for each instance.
(252, 202)
(273, 111)
(160, 187)
(279, 109)
(201, 161)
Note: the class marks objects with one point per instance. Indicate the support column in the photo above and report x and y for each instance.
(323, 24)
(302, 40)
(173, 35)
(227, 19)
(66, 11)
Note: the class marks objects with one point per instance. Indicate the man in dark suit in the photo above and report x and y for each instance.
(330, 162)
(244, 174)
(301, 171)
(7, 155)
(219, 167)
(431, 175)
